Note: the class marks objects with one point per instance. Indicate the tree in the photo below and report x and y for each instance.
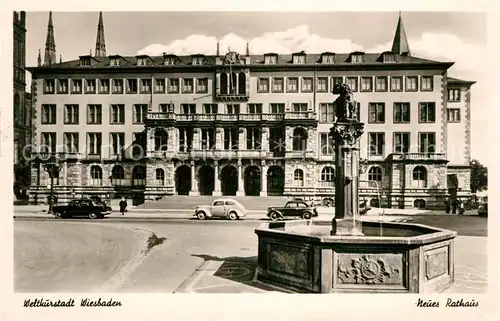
(478, 176)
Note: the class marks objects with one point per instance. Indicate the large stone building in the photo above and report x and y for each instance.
(22, 104)
(241, 124)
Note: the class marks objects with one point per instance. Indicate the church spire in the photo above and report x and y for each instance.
(100, 44)
(400, 43)
(50, 44)
(39, 57)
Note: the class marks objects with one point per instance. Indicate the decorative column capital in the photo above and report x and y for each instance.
(346, 132)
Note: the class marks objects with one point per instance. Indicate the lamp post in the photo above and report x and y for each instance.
(52, 167)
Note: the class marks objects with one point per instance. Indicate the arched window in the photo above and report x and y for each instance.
(161, 139)
(242, 83)
(327, 174)
(375, 174)
(419, 203)
(95, 175)
(233, 84)
(223, 83)
(160, 177)
(118, 175)
(299, 139)
(298, 177)
(139, 176)
(420, 177)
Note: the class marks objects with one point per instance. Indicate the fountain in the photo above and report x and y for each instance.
(348, 254)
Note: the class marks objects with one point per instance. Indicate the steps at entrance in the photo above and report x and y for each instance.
(253, 203)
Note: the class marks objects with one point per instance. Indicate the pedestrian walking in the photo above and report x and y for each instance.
(123, 205)
(447, 205)
(454, 205)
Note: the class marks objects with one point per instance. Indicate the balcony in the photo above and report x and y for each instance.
(231, 97)
(300, 115)
(224, 117)
(417, 157)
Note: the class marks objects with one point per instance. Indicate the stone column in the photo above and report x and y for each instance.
(263, 179)
(219, 138)
(194, 181)
(150, 141)
(241, 187)
(264, 140)
(196, 139)
(217, 189)
(242, 142)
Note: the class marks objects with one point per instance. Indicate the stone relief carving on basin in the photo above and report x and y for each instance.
(369, 269)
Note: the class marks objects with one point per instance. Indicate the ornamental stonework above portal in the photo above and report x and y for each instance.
(232, 58)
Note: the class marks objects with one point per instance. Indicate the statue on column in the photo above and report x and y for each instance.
(347, 128)
(344, 104)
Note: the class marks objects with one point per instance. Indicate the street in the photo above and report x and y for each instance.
(109, 255)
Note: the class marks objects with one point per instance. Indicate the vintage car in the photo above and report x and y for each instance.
(221, 208)
(482, 204)
(82, 207)
(293, 208)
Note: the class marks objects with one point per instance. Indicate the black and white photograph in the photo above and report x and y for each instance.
(326, 155)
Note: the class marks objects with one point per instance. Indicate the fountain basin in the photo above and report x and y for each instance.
(301, 256)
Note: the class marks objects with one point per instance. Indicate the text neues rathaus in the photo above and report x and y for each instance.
(243, 124)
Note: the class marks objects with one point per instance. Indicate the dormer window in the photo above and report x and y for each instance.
(357, 57)
(299, 58)
(85, 61)
(389, 57)
(197, 60)
(142, 60)
(169, 60)
(115, 60)
(270, 59)
(327, 58)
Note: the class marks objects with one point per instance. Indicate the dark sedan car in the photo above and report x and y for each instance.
(294, 208)
(82, 207)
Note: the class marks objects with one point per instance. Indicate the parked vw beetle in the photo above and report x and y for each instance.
(293, 208)
(223, 208)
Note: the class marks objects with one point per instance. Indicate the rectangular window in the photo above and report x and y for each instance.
(292, 85)
(263, 85)
(90, 86)
(185, 139)
(270, 59)
(117, 143)
(94, 114)
(187, 109)
(427, 142)
(278, 85)
(63, 86)
(207, 138)
(210, 108)
(49, 86)
(366, 84)
(71, 142)
(381, 83)
(117, 86)
(336, 81)
(411, 83)
(327, 144)
(187, 86)
(254, 137)
(322, 85)
(376, 113)
(377, 142)
(327, 113)
(299, 107)
(159, 86)
(49, 115)
(401, 142)
(140, 113)
(454, 94)
(117, 115)
(104, 86)
(48, 143)
(145, 86)
(453, 115)
(328, 59)
(131, 86)
(357, 58)
(173, 85)
(396, 83)
(307, 85)
(352, 82)
(94, 143)
(401, 112)
(165, 108)
(255, 108)
(427, 112)
(277, 108)
(427, 83)
(202, 85)
(231, 138)
(71, 114)
(76, 86)
(114, 62)
(299, 59)
(233, 109)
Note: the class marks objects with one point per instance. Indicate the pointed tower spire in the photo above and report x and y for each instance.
(100, 44)
(248, 50)
(400, 43)
(218, 53)
(39, 57)
(50, 44)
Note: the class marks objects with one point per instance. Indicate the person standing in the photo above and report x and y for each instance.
(447, 205)
(123, 205)
(454, 204)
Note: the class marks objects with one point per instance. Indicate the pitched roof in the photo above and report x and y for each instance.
(457, 81)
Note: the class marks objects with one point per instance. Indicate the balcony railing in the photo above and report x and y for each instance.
(226, 154)
(230, 117)
(417, 156)
(300, 115)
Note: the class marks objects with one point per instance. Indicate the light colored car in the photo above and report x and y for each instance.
(222, 208)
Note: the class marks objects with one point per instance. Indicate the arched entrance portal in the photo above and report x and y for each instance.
(183, 180)
(275, 181)
(252, 181)
(229, 180)
(206, 180)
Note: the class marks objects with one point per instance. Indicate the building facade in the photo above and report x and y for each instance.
(242, 124)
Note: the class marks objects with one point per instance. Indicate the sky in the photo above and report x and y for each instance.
(458, 37)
